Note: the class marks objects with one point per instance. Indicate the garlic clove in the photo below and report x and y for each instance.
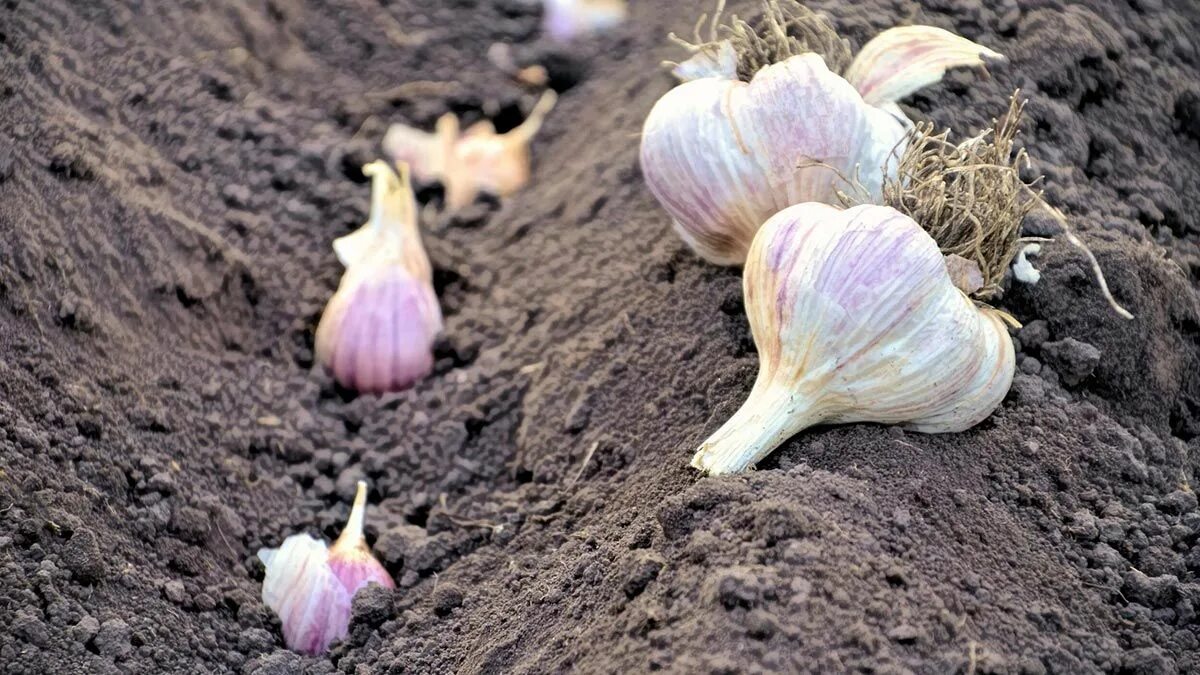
(391, 230)
(856, 319)
(474, 161)
(722, 156)
(377, 331)
(717, 59)
(422, 151)
(349, 558)
(565, 20)
(312, 605)
(311, 587)
(901, 60)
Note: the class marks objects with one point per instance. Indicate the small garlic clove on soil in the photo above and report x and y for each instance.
(722, 155)
(899, 61)
(856, 319)
(310, 587)
(350, 559)
(377, 331)
(565, 20)
(472, 161)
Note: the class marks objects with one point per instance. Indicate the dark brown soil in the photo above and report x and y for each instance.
(172, 174)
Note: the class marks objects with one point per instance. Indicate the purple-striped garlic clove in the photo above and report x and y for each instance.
(377, 332)
(900, 61)
(856, 319)
(310, 587)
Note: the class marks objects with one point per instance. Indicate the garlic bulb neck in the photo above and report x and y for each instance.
(391, 235)
(771, 414)
(393, 205)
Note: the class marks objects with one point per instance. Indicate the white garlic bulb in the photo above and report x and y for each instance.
(377, 332)
(856, 319)
(722, 155)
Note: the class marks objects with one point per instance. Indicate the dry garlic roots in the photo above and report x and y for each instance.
(472, 161)
(722, 155)
(856, 319)
(311, 587)
(377, 332)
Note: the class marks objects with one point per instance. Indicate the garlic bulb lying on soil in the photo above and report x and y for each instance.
(856, 319)
(311, 587)
(565, 20)
(377, 332)
(723, 154)
(472, 161)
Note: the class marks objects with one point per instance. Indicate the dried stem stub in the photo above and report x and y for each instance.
(970, 197)
(785, 28)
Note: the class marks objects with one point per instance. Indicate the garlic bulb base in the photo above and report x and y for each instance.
(770, 416)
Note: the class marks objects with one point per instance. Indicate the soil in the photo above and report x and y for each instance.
(172, 174)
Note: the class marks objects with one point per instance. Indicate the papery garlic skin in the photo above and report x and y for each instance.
(312, 605)
(856, 319)
(1023, 270)
(377, 332)
(723, 155)
(899, 61)
(311, 587)
(714, 60)
(565, 20)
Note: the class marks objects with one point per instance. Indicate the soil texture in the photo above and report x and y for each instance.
(172, 175)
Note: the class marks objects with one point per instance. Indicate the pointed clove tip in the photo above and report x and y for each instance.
(377, 166)
(353, 533)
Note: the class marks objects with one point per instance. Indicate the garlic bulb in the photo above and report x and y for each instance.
(377, 332)
(311, 587)
(565, 20)
(856, 319)
(722, 155)
(472, 161)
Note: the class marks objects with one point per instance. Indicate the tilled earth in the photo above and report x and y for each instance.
(172, 174)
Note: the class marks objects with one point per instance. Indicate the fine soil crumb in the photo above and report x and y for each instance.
(172, 175)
